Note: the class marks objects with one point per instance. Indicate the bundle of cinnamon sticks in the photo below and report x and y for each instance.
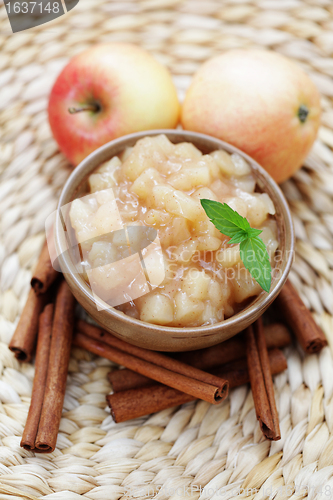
(24, 339)
(135, 390)
(134, 395)
(47, 319)
(151, 381)
(52, 358)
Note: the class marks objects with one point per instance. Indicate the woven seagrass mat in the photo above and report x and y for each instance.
(195, 445)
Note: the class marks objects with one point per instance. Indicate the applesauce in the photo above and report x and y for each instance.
(157, 184)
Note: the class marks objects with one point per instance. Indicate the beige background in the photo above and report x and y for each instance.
(197, 444)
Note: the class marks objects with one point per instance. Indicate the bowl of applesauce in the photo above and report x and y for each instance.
(140, 254)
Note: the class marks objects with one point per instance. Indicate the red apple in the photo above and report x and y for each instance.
(260, 102)
(111, 90)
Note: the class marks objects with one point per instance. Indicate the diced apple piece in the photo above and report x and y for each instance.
(159, 194)
(168, 284)
(157, 309)
(229, 256)
(180, 180)
(143, 185)
(209, 162)
(245, 183)
(219, 293)
(244, 285)
(267, 202)
(200, 176)
(105, 180)
(224, 162)
(79, 213)
(104, 196)
(126, 153)
(207, 228)
(187, 310)
(259, 206)
(222, 189)
(162, 142)
(102, 253)
(238, 205)
(152, 153)
(195, 284)
(120, 280)
(228, 310)
(82, 217)
(109, 166)
(179, 203)
(154, 263)
(85, 236)
(211, 315)
(107, 218)
(204, 193)
(215, 293)
(241, 166)
(136, 237)
(180, 230)
(269, 237)
(165, 235)
(143, 156)
(191, 177)
(175, 233)
(156, 217)
(186, 150)
(120, 239)
(208, 243)
(185, 251)
(153, 147)
(128, 212)
(135, 165)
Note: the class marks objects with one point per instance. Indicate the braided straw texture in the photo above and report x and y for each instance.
(196, 445)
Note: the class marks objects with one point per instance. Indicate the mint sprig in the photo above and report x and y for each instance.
(253, 251)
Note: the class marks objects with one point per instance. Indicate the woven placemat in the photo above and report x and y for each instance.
(175, 452)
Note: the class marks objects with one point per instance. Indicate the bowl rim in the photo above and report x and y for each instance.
(248, 313)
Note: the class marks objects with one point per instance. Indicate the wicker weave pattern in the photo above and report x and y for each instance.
(197, 444)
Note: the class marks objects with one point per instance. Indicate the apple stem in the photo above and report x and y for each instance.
(303, 112)
(89, 107)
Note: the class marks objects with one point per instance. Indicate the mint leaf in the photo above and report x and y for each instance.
(238, 237)
(224, 218)
(252, 249)
(253, 232)
(255, 257)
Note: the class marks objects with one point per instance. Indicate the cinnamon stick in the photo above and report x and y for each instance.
(276, 335)
(264, 360)
(54, 394)
(261, 382)
(44, 274)
(125, 379)
(135, 403)
(197, 388)
(300, 320)
(24, 339)
(154, 357)
(38, 389)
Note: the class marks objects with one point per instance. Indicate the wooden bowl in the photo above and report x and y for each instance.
(164, 338)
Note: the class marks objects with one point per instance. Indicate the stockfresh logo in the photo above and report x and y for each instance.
(24, 15)
(120, 262)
